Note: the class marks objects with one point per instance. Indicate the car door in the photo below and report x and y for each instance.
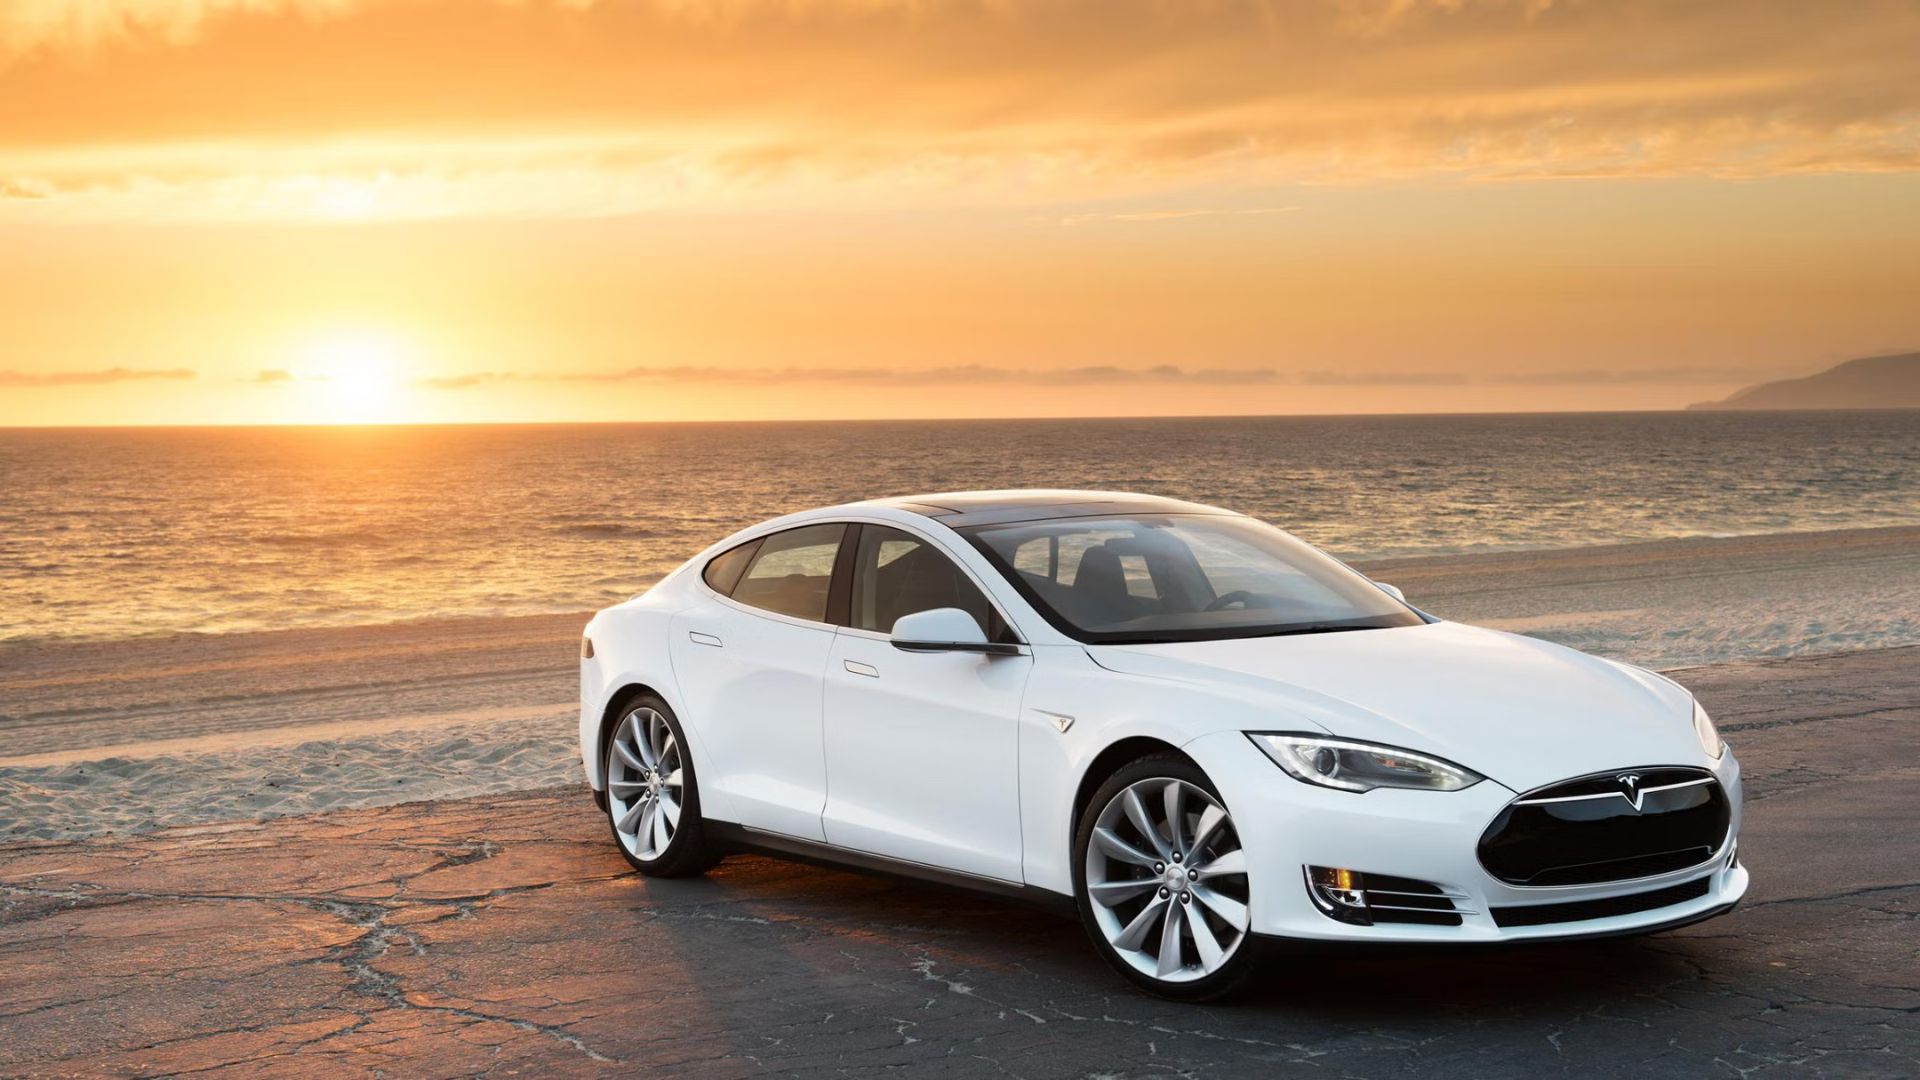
(749, 660)
(922, 747)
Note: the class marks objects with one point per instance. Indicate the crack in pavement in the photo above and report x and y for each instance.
(459, 938)
(358, 957)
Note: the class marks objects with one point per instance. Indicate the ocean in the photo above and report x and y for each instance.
(130, 532)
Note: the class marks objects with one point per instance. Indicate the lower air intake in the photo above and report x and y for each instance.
(1581, 910)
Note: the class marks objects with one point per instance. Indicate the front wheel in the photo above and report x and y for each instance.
(1162, 881)
(652, 801)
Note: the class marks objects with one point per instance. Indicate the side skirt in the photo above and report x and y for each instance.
(744, 840)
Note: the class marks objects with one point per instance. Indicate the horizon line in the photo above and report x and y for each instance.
(243, 425)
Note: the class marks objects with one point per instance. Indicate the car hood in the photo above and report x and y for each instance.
(1518, 710)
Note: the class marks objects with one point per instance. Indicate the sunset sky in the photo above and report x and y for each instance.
(268, 211)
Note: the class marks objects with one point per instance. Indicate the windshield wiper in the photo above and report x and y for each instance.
(1186, 639)
(1318, 628)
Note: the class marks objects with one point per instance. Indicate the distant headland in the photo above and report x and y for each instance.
(1873, 382)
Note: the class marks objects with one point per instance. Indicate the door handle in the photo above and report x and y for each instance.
(859, 668)
(699, 638)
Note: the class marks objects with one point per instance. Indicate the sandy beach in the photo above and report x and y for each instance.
(141, 734)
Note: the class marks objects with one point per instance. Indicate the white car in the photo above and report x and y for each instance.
(1194, 728)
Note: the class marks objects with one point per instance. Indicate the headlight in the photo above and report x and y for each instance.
(1709, 738)
(1357, 766)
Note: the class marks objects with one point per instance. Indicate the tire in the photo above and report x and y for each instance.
(1129, 884)
(643, 773)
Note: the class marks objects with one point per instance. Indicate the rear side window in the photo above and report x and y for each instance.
(792, 572)
(724, 570)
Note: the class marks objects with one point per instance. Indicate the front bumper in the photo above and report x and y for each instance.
(1286, 825)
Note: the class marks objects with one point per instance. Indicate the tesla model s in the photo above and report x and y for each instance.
(1193, 729)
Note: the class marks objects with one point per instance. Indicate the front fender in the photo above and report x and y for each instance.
(1107, 708)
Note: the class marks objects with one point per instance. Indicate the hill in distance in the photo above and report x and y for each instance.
(1873, 382)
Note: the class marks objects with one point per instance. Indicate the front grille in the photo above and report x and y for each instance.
(1579, 910)
(1601, 828)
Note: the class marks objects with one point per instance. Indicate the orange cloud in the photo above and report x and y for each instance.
(328, 109)
(31, 379)
(86, 26)
(1103, 374)
(1172, 215)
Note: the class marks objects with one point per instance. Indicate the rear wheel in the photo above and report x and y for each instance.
(653, 803)
(1161, 880)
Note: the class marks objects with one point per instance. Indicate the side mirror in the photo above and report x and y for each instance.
(945, 630)
(1392, 590)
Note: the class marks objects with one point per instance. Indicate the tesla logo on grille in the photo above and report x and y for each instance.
(1630, 788)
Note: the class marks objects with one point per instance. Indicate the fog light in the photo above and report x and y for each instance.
(586, 648)
(1339, 893)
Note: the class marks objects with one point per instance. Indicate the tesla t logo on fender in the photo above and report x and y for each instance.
(1630, 788)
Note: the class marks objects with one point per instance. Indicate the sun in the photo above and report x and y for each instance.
(355, 374)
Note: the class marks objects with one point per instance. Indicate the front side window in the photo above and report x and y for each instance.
(896, 573)
(792, 572)
(1182, 577)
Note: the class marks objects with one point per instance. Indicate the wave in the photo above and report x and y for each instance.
(607, 530)
(340, 538)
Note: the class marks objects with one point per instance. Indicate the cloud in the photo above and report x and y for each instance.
(1383, 378)
(461, 382)
(32, 379)
(961, 374)
(271, 377)
(24, 189)
(86, 26)
(1099, 375)
(1171, 215)
(338, 108)
(1680, 376)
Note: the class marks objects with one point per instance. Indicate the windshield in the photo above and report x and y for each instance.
(1182, 577)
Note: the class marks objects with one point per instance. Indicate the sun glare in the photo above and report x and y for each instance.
(347, 198)
(356, 376)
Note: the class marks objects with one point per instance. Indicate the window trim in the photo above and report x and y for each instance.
(847, 528)
(840, 589)
(707, 567)
(1008, 634)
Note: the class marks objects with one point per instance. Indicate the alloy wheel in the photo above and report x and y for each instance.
(645, 783)
(1167, 878)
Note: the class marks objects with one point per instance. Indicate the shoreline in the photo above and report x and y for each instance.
(1438, 567)
(272, 773)
(133, 735)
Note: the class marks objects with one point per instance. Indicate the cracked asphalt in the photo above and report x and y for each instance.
(505, 937)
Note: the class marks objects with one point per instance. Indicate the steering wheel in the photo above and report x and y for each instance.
(1226, 600)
